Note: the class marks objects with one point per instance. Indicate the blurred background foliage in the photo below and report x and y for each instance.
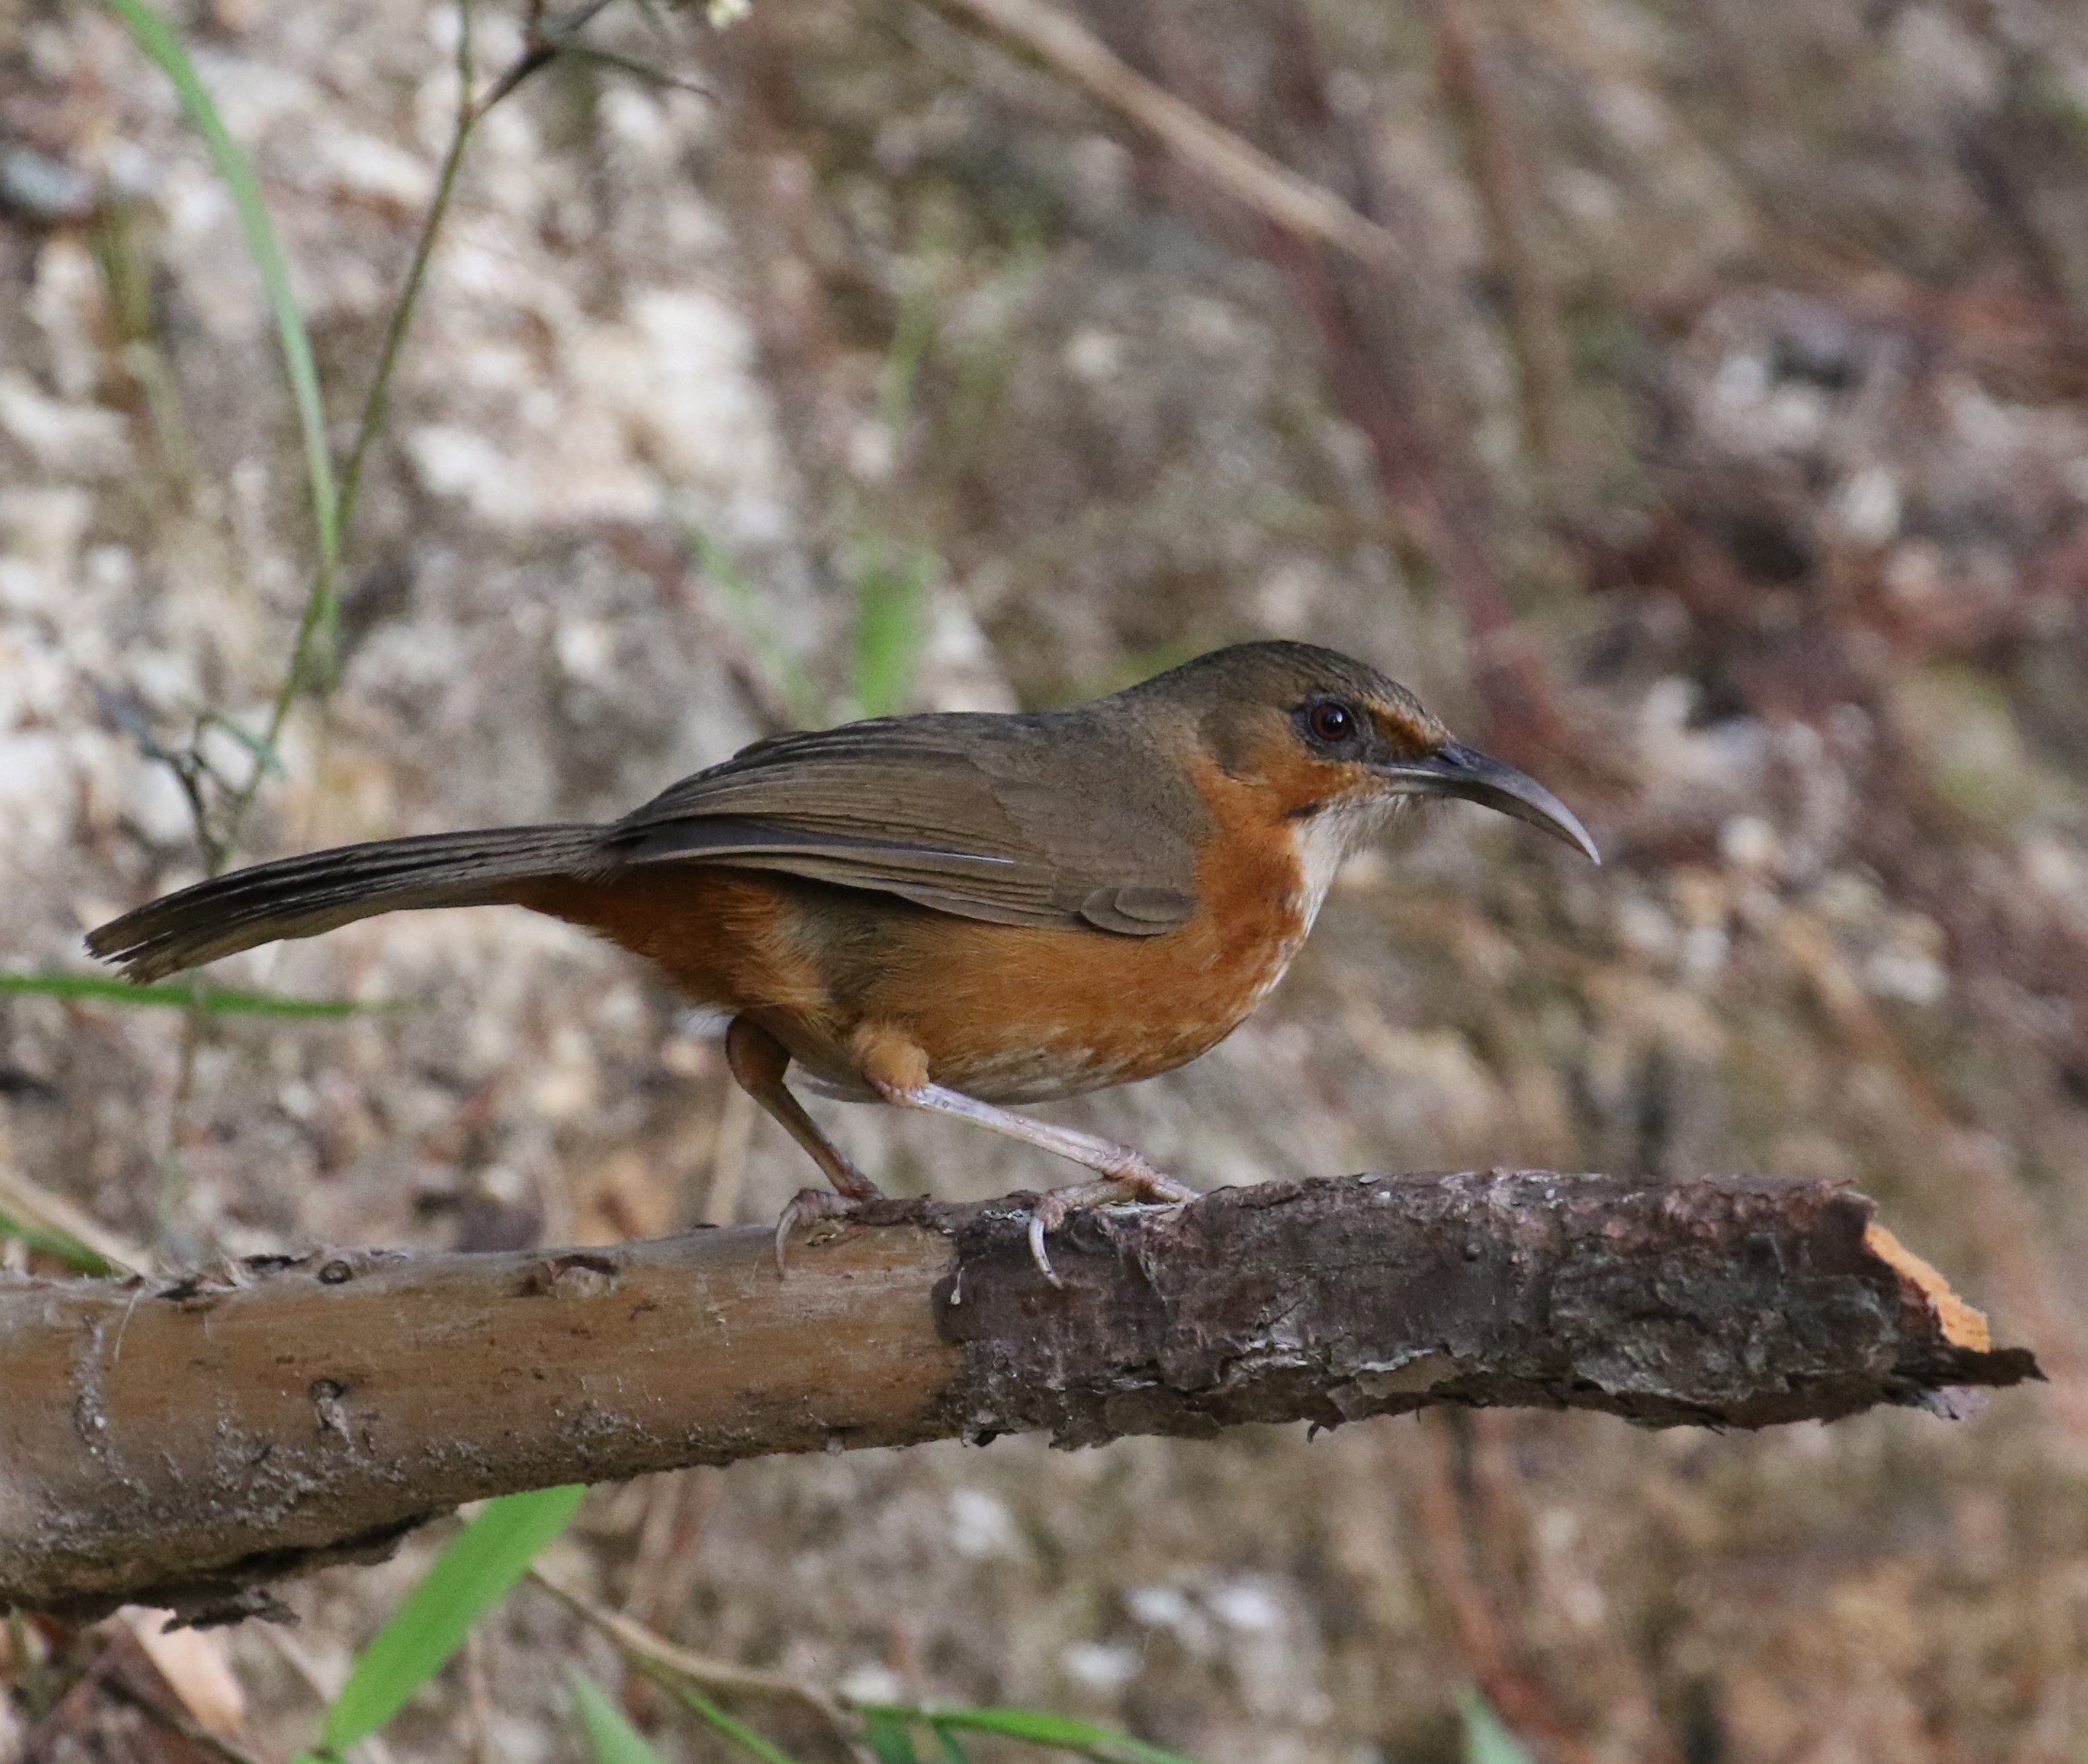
(1706, 431)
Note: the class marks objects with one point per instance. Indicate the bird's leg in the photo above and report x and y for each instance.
(758, 1061)
(1125, 1175)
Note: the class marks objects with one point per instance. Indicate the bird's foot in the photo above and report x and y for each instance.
(1135, 1181)
(809, 1205)
(1124, 1175)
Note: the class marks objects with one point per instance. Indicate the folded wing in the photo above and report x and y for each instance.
(978, 816)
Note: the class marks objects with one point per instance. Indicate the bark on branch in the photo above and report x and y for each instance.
(184, 1442)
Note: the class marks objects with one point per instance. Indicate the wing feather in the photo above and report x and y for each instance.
(976, 815)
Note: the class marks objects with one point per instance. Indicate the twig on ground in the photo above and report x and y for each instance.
(1520, 1697)
(635, 1641)
(190, 1731)
(1292, 201)
(544, 40)
(1467, 72)
(32, 1205)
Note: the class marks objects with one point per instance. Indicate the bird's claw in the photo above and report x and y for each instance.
(809, 1205)
(1053, 1210)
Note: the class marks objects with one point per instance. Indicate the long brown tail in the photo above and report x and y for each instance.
(300, 897)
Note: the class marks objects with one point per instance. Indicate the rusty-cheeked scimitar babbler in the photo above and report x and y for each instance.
(955, 912)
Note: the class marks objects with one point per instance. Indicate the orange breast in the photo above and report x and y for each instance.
(1013, 1014)
(1005, 1013)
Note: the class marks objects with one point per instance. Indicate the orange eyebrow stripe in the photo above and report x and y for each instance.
(1401, 730)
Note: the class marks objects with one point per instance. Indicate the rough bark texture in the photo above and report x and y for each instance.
(183, 1443)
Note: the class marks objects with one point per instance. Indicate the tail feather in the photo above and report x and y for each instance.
(300, 897)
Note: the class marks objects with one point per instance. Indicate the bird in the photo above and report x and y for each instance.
(952, 912)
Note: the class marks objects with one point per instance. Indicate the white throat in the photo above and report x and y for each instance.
(1327, 839)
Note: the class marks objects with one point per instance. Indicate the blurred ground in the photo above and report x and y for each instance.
(1718, 451)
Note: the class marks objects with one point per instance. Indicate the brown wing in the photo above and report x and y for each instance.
(1046, 820)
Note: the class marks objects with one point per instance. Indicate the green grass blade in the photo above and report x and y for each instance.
(211, 1001)
(891, 626)
(267, 756)
(156, 41)
(1039, 1727)
(888, 1739)
(467, 1579)
(952, 1753)
(911, 341)
(751, 620)
(1487, 1740)
(740, 1734)
(60, 1245)
(613, 1739)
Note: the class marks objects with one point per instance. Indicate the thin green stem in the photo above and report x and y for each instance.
(173, 1169)
(376, 400)
(746, 1739)
(321, 604)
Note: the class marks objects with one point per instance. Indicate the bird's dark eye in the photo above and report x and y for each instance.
(1331, 722)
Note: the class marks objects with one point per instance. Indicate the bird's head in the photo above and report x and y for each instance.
(1334, 743)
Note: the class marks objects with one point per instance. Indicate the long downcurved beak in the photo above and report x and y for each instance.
(1455, 769)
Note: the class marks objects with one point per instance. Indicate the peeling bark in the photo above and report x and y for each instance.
(186, 1442)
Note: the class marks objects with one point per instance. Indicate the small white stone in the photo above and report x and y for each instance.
(586, 650)
(1869, 506)
(981, 1526)
(85, 438)
(1642, 926)
(1248, 1604)
(1705, 949)
(1093, 354)
(1749, 842)
(1161, 1608)
(1741, 379)
(1908, 974)
(871, 453)
(1103, 1666)
(871, 1682)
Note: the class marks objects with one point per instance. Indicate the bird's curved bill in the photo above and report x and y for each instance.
(1455, 769)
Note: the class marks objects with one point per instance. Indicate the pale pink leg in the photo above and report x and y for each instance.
(1125, 1175)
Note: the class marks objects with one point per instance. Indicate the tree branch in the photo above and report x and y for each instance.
(183, 1443)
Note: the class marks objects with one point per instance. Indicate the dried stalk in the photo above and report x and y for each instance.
(1293, 202)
